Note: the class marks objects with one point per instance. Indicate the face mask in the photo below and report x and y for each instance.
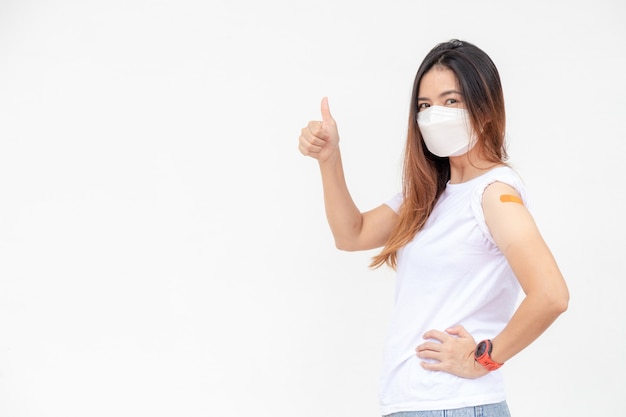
(446, 131)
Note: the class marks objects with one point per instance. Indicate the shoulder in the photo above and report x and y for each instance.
(503, 179)
(502, 189)
(506, 213)
(501, 192)
(499, 199)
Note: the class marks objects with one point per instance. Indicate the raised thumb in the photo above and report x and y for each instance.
(327, 118)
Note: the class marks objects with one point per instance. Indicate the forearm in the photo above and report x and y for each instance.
(533, 316)
(344, 218)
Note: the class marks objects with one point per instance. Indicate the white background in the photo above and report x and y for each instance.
(163, 245)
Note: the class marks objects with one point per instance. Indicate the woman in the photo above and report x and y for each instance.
(460, 237)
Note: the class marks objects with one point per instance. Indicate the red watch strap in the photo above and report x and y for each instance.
(482, 355)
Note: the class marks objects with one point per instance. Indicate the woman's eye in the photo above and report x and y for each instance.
(423, 106)
(451, 101)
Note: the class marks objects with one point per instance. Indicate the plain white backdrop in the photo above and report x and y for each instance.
(163, 245)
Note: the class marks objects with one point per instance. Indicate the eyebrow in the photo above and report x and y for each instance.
(445, 93)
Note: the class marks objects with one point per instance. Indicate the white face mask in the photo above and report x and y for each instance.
(447, 131)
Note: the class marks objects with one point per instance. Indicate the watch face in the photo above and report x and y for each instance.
(480, 349)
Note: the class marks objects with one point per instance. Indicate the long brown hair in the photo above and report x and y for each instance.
(425, 175)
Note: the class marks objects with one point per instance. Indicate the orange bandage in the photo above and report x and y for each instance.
(508, 198)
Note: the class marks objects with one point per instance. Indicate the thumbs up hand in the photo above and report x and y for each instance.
(320, 139)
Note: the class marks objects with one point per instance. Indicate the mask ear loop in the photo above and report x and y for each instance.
(473, 138)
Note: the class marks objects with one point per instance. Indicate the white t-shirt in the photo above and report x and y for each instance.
(450, 273)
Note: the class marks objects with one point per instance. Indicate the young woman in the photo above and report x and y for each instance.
(460, 237)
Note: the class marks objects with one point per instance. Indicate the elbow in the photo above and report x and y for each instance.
(561, 298)
(558, 302)
(348, 242)
(562, 303)
(558, 307)
(345, 246)
(549, 304)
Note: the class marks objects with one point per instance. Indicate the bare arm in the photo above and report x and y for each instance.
(546, 294)
(351, 229)
(517, 236)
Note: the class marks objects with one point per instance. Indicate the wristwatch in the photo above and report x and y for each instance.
(482, 355)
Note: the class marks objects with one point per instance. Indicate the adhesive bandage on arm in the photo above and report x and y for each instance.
(508, 198)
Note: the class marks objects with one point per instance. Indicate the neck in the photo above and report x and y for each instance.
(469, 166)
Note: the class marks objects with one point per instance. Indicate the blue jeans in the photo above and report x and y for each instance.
(488, 410)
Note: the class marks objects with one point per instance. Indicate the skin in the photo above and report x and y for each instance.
(510, 223)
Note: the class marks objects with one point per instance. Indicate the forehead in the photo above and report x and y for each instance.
(437, 80)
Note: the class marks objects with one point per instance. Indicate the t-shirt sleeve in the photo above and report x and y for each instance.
(395, 202)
